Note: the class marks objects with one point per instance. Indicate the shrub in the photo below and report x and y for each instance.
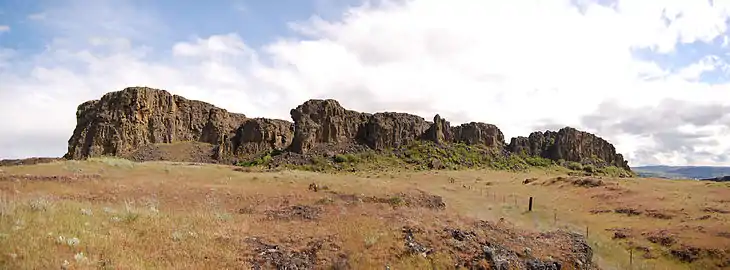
(614, 171)
(590, 168)
(510, 163)
(574, 166)
(538, 161)
(396, 201)
(349, 158)
(263, 160)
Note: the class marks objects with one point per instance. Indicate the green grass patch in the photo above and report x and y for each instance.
(259, 161)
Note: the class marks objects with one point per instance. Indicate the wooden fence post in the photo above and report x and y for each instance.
(631, 258)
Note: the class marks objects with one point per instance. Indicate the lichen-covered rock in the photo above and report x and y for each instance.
(324, 122)
(124, 120)
(479, 133)
(569, 144)
(391, 130)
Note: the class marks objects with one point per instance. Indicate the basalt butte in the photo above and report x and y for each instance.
(123, 122)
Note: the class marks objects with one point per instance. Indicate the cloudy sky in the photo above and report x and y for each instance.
(649, 76)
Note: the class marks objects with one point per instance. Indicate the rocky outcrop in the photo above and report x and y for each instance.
(569, 144)
(324, 122)
(127, 122)
(391, 130)
(479, 133)
(262, 134)
(439, 132)
(122, 122)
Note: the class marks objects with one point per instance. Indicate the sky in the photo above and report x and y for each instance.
(651, 77)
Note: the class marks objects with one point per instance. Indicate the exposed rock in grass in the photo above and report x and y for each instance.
(658, 214)
(686, 254)
(301, 212)
(413, 246)
(620, 233)
(529, 180)
(662, 237)
(628, 211)
(715, 210)
(273, 256)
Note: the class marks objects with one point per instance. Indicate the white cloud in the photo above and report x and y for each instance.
(515, 64)
(695, 70)
(4, 28)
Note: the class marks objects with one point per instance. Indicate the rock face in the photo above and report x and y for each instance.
(569, 144)
(439, 132)
(262, 134)
(123, 122)
(324, 121)
(479, 133)
(384, 130)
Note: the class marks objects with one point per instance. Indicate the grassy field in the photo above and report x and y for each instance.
(116, 214)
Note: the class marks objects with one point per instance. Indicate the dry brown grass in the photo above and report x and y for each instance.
(185, 216)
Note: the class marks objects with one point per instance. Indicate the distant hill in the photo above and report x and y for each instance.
(682, 172)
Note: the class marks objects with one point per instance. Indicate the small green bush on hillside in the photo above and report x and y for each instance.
(590, 168)
(510, 163)
(576, 166)
(263, 160)
(346, 158)
(538, 161)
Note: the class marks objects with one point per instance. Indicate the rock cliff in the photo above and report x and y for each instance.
(123, 122)
(569, 144)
